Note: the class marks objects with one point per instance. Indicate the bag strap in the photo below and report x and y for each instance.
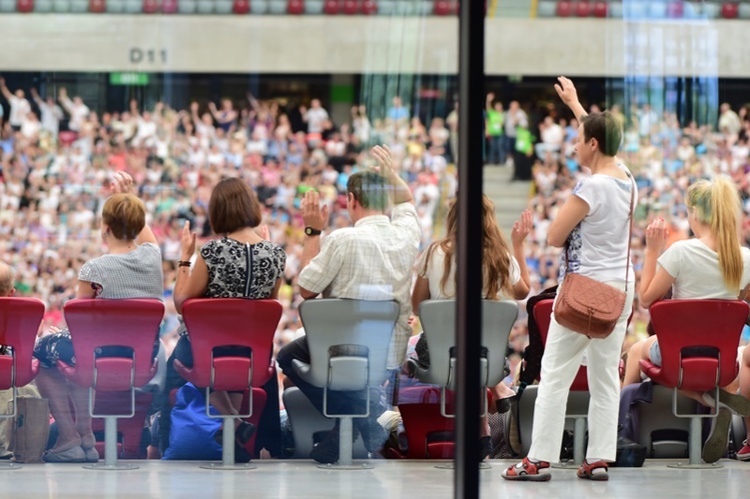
(630, 233)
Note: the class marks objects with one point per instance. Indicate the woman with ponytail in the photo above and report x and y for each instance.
(712, 265)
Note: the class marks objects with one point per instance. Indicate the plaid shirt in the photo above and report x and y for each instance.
(371, 261)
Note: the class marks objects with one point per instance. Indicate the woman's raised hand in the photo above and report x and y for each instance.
(187, 241)
(566, 90)
(121, 183)
(657, 234)
(521, 228)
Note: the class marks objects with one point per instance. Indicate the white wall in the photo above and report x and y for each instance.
(342, 44)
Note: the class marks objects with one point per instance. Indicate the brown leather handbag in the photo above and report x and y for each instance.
(590, 307)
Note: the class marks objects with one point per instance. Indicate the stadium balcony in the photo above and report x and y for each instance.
(645, 9)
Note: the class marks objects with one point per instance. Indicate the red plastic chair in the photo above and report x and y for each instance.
(97, 6)
(130, 430)
(150, 6)
(675, 10)
(543, 317)
(25, 6)
(350, 7)
(583, 9)
(331, 7)
(369, 7)
(169, 6)
(600, 9)
(295, 7)
(442, 8)
(241, 6)
(216, 322)
(429, 434)
(698, 341)
(730, 10)
(19, 323)
(564, 9)
(98, 323)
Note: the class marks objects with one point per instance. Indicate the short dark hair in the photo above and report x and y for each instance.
(233, 206)
(605, 129)
(125, 215)
(370, 190)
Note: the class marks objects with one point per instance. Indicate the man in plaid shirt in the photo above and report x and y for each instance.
(372, 260)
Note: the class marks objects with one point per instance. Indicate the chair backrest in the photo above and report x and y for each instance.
(340, 328)
(438, 318)
(19, 324)
(543, 318)
(97, 323)
(698, 341)
(217, 322)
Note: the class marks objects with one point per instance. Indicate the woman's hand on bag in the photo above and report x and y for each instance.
(521, 229)
(566, 90)
(187, 241)
(656, 235)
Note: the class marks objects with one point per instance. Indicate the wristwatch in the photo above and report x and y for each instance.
(312, 232)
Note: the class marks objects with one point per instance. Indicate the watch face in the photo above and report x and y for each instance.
(308, 231)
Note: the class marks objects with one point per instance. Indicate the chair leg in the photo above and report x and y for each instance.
(110, 449)
(694, 442)
(227, 449)
(579, 438)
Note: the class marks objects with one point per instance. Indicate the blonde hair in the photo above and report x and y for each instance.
(125, 216)
(496, 259)
(717, 204)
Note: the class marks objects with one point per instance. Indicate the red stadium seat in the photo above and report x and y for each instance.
(25, 6)
(241, 6)
(350, 7)
(217, 322)
(583, 9)
(698, 342)
(600, 9)
(97, 324)
(369, 7)
(730, 10)
(295, 7)
(332, 7)
(675, 10)
(564, 9)
(97, 6)
(442, 8)
(169, 6)
(150, 6)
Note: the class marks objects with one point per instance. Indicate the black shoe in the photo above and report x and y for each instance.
(485, 447)
(242, 434)
(327, 450)
(241, 455)
(503, 405)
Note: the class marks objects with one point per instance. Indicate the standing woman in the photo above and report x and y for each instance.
(593, 226)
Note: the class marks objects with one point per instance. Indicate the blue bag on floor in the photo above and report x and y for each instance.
(192, 434)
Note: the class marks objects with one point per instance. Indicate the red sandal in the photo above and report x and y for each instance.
(527, 471)
(586, 471)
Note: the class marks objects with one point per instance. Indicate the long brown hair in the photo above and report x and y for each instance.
(496, 259)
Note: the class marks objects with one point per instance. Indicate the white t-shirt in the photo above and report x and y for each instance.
(598, 245)
(436, 266)
(19, 110)
(315, 118)
(695, 268)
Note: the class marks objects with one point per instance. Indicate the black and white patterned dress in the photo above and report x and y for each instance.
(242, 270)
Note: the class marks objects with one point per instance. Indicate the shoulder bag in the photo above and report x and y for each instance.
(590, 307)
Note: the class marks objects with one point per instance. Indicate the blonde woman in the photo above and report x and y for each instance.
(505, 277)
(712, 265)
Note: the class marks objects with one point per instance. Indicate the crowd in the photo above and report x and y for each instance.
(58, 162)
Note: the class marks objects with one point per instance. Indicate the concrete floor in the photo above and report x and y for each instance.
(388, 479)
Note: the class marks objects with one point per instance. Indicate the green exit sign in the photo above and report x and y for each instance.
(128, 78)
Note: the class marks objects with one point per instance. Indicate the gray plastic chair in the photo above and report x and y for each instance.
(356, 326)
(657, 416)
(307, 422)
(438, 318)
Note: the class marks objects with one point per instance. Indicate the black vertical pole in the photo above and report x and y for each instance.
(469, 246)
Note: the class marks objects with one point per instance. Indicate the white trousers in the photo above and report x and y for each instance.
(563, 353)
